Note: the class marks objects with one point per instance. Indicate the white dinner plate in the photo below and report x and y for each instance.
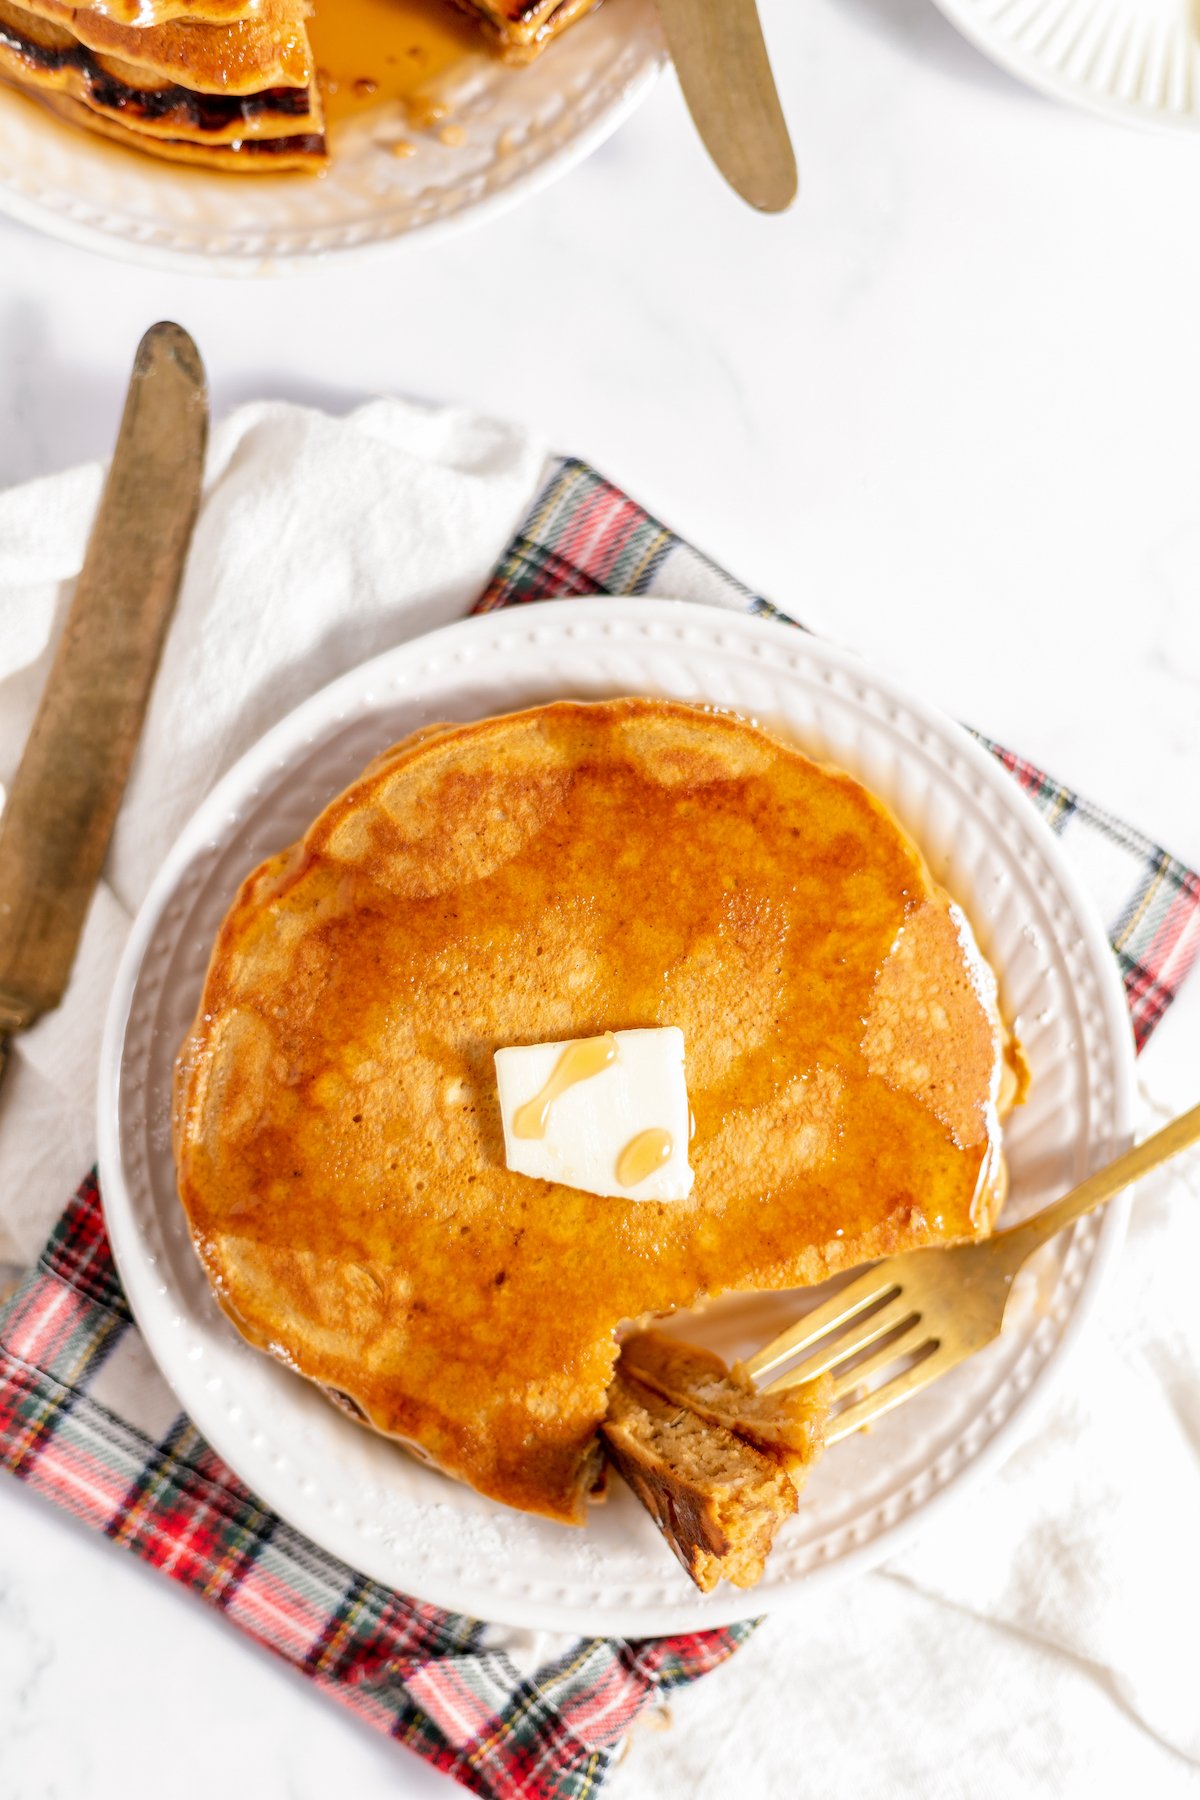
(522, 128)
(359, 1495)
(1133, 60)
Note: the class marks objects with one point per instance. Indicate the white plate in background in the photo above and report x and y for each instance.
(1137, 61)
(522, 128)
(361, 1497)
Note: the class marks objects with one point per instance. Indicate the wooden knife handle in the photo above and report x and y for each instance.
(56, 825)
(721, 59)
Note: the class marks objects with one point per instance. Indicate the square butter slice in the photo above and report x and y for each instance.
(608, 1115)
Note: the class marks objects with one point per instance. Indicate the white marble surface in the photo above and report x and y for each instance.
(946, 411)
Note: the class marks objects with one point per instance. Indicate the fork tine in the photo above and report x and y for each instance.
(917, 1335)
(891, 1393)
(873, 1284)
(835, 1349)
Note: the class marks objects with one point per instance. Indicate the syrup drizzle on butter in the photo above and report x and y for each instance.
(579, 1062)
(648, 1151)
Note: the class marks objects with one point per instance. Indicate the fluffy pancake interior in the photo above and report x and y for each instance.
(548, 875)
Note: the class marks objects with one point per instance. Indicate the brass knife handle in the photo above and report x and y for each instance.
(1103, 1186)
(60, 812)
(721, 59)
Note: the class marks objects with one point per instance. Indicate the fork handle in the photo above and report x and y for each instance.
(1099, 1188)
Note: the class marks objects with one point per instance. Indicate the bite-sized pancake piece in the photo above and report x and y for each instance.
(716, 1499)
(521, 29)
(788, 1427)
(549, 875)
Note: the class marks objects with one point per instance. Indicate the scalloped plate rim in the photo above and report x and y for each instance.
(1027, 67)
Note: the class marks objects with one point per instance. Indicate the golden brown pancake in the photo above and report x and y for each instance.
(269, 51)
(160, 12)
(142, 97)
(206, 81)
(555, 874)
(252, 156)
(521, 29)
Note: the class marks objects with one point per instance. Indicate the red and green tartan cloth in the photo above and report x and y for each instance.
(439, 1682)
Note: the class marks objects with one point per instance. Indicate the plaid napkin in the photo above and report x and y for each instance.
(74, 1419)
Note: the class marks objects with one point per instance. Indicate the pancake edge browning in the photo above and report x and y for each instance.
(304, 153)
(272, 878)
(162, 12)
(140, 105)
(247, 57)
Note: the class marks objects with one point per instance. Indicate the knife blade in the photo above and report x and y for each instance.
(721, 60)
(60, 812)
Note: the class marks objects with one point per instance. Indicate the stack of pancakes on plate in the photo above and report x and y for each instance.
(224, 84)
(215, 82)
(544, 876)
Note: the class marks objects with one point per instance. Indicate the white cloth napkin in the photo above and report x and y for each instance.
(320, 542)
(1044, 1635)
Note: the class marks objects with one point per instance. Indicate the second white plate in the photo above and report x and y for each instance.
(359, 1496)
(1133, 60)
(522, 128)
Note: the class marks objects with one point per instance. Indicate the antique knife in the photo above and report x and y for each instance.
(721, 60)
(55, 826)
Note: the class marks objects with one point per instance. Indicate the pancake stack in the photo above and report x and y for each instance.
(551, 875)
(223, 84)
(226, 84)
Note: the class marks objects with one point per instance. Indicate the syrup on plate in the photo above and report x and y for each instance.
(369, 52)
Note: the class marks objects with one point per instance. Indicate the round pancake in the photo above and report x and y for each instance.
(546, 875)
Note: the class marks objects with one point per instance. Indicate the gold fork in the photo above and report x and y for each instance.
(933, 1308)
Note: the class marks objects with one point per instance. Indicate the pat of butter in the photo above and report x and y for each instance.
(631, 1112)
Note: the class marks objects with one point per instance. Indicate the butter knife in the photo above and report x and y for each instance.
(721, 60)
(60, 812)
